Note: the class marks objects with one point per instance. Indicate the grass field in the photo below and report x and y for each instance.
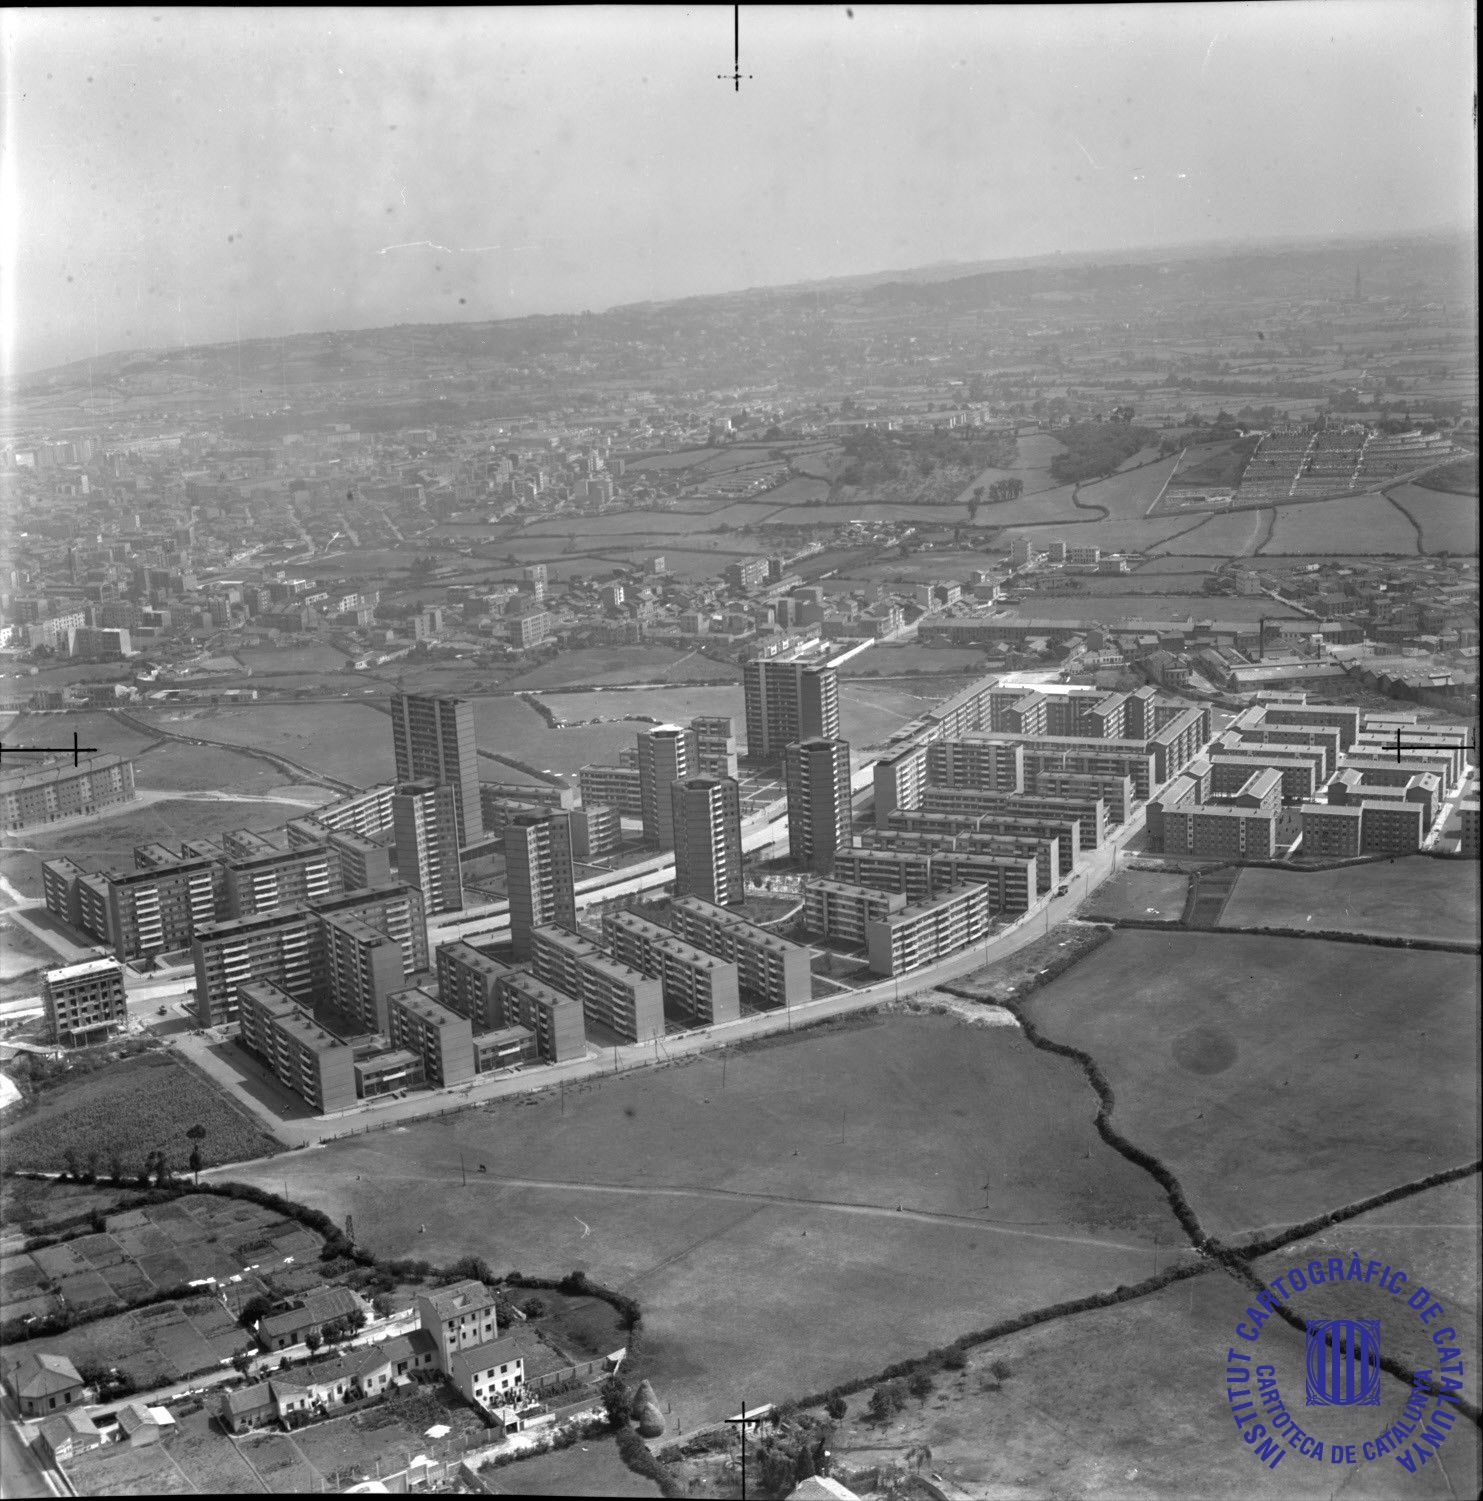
(606, 664)
(200, 768)
(106, 842)
(1361, 524)
(1167, 607)
(1449, 523)
(1278, 1077)
(140, 1105)
(589, 1469)
(1128, 494)
(316, 658)
(695, 1189)
(668, 705)
(349, 741)
(911, 660)
(1215, 464)
(1415, 898)
(1153, 894)
(1130, 1402)
(91, 727)
(1233, 536)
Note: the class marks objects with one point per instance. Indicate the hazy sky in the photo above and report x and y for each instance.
(179, 176)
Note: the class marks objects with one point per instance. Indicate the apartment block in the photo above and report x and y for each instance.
(434, 739)
(84, 1003)
(1391, 828)
(362, 968)
(425, 820)
(705, 825)
(1331, 831)
(265, 881)
(714, 742)
(904, 871)
(1089, 814)
(49, 793)
(1115, 793)
(247, 844)
(467, 981)
(1008, 880)
(699, 987)
(366, 813)
(394, 909)
(768, 967)
(59, 886)
(443, 1039)
(362, 861)
(539, 875)
(899, 780)
(841, 910)
(1339, 717)
(1467, 812)
(977, 763)
(554, 1017)
(1178, 740)
(790, 697)
(663, 760)
(816, 774)
(1232, 765)
(624, 1000)
(614, 787)
(930, 930)
(460, 1317)
(1388, 771)
(596, 830)
(304, 1057)
(157, 910)
(280, 947)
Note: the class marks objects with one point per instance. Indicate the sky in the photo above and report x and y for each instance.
(176, 177)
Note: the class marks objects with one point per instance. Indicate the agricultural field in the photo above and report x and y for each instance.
(869, 712)
(511, 727)
(1361, 524)
(1234, 535)
(349, 741)
(1127, 494)
(912, 660)
(971, 1187)
(1167, 607)
(1215, 464)
(1449, 523)
(1415, 898)
(1277, 1077)
(134, 1107)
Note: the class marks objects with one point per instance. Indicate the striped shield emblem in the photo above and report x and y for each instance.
(1343, 1360)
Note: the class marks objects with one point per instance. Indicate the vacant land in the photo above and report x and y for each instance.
(586, 1469)
(606, 664)
(1230, 536)
(1449, 523)
(205, 768)
(1215, 464)
(1361, 524)
(1153, 894)
(1127, 495)
(1278, 1077)
(348, 741)
(1168, 607)
(740, 1200)
(1415, 898)
(318, 658)
(138, 1106)
(92, 728)
(666, 705)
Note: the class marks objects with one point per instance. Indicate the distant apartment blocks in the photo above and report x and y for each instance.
(33, 797)
(625, 1001)
(771, 971)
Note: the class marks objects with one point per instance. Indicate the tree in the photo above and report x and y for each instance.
(837, 1407)
(254, 1309)
(882, 1406)
(615, 1401)
(312, 1341)
(533, 1308)
(920, 1384)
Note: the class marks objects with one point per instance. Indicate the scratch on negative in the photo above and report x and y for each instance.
(446, 249)
(586, 1228)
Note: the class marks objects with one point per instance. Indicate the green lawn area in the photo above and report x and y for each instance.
(740, 1202)
(586, 1469)
(1415, 898)
(1153, 895)
(1278, 1077)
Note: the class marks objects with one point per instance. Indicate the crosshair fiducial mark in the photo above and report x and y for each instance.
(736, 75)
(1414, 745)
(75, 750)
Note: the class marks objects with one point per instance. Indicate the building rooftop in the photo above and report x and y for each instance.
(468, 1296)
(81, 971)
(43, 776)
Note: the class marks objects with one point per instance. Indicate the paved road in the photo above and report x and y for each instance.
(22, 1474)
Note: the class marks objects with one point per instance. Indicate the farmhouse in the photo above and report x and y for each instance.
(43, 1383)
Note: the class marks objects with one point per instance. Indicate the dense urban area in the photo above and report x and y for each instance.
(777, 890)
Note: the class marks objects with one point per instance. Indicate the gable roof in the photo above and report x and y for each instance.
(61, 1426)
(466, 1363)
(248, 1399)
(468, 1296)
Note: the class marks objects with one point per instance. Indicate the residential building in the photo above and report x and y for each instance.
(425, 818)
(442, 1038)
(714, 745)
(434, 739)
(158, 909)
(362, 861)
(42, 1383)
(770, 970)
(1331, 831)
(820, 808)
(596, 830)
(840, 910)
(490, 1375)
(85, 1002)
(1467, 811)
(363, 969)
(617, 787)
(555, 1018)
(699, 987)
(306, 1058)
(366, 813)
(277, 946)
(705, 822)
(790, 697)
(265, 881)
(467, 981)
(663, 759)
(917, 935)
(899, 780)
(48, 793)
(459, 1317)
(625, 1001)
(539, 875)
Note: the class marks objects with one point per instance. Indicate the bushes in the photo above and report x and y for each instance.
(634, 1453)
